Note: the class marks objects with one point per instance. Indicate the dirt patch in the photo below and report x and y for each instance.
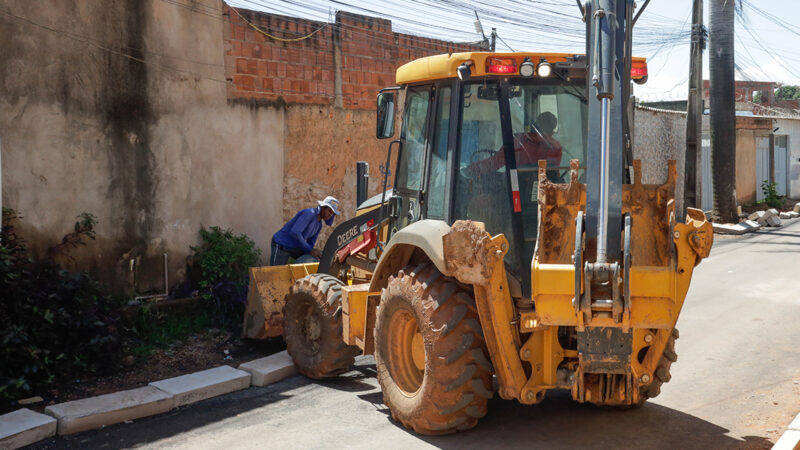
(751, 208)
(199, 352)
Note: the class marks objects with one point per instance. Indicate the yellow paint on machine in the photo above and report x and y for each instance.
(439, 67)
(263, 316)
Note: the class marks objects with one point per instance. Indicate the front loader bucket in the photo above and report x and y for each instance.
(263, 317)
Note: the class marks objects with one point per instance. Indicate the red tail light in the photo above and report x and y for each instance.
(500, 65)
(639, 70)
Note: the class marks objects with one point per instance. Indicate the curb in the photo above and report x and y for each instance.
(24, 427)
(270, 369)
(790, 439)
(194, 387)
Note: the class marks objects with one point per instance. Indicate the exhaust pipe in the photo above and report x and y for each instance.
(362, 182)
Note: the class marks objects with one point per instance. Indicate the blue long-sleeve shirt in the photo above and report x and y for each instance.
(302, 231)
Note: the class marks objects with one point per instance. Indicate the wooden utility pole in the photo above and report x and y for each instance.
(694, 107)
(722, 93)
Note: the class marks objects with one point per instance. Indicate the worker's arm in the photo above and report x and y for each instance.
(313, 240)
(296, 232)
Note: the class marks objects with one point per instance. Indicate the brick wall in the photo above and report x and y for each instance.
(327, 85)
(264, 68)
(344, 63)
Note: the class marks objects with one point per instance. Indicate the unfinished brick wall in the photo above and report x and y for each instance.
(327, 83)
(263, 68)
(302, 61)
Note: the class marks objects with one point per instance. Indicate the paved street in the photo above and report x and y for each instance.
(736, 384)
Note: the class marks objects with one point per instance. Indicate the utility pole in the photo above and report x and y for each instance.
(694, 107)
(723, 110)
(494, 38)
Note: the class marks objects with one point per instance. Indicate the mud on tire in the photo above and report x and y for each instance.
(662, 373)
(451, 392)
(312, 327)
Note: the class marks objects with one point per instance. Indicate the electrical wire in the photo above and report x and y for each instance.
(297, 39)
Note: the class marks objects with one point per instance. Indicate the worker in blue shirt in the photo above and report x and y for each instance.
(297, 238)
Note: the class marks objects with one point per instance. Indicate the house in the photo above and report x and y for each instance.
(767, 143)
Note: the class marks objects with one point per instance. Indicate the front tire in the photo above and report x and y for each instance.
(312, 327)
(430, 353)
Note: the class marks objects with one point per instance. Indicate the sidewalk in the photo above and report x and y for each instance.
(24, 427)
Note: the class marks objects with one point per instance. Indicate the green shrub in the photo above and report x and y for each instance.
(56, 325)
(771, 196)
(223, 256)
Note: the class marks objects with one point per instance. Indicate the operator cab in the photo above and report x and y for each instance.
(459, 111)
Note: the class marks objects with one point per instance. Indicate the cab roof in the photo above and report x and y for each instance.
(444, 66)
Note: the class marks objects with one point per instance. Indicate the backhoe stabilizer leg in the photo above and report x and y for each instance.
(474, 257)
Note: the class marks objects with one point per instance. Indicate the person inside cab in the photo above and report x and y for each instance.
(530, 147)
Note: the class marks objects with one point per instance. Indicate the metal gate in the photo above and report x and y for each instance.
(781, 172)
(762, 165)
(707, 196)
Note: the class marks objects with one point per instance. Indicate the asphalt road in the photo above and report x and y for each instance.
(736, 384)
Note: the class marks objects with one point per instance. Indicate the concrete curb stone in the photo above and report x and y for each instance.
(270, 369)
(795, 425)
(727, 228)
(790, 439)
(95, 412)
(751, 224)
(774, 221)
(24, 427)
(197, 386)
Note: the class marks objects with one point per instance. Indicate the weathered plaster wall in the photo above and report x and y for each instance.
(791, 128)
(328, 80)
(745, 166)
(659, 136)
(748, 129)
(154, 150)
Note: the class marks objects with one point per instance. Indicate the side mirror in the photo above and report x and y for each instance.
(385, 125)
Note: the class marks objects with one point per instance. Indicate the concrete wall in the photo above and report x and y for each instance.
(161, 117)
(659, 136)
(328, 81)
(791, 128)
(154, 150)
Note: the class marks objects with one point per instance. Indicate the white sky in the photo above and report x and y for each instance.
(661, 35)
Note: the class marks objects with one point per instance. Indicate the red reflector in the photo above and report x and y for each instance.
(517, 201)
(500, 65)
(638, 72)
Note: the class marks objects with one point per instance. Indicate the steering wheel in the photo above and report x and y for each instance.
(489, 153)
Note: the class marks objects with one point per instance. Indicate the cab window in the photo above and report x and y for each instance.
(409, 171)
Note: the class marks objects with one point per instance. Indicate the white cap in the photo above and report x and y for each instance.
(331, 203)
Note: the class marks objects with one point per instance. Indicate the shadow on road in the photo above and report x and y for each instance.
(559, 422)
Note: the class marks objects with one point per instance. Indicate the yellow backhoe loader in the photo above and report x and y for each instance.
(517, 241)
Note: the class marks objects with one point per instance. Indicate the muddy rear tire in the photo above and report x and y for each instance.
(662, 372)
(430, 353)
(312, 327)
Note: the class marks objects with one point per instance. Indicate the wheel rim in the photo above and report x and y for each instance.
(406, 358)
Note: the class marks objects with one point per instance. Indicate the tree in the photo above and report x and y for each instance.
(787, 93)
(722, 94)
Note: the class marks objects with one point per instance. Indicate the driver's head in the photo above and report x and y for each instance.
(547, 123)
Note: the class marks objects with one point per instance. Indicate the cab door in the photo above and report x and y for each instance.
(414, 137)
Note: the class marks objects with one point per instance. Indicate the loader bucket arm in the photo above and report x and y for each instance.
(263, 317)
